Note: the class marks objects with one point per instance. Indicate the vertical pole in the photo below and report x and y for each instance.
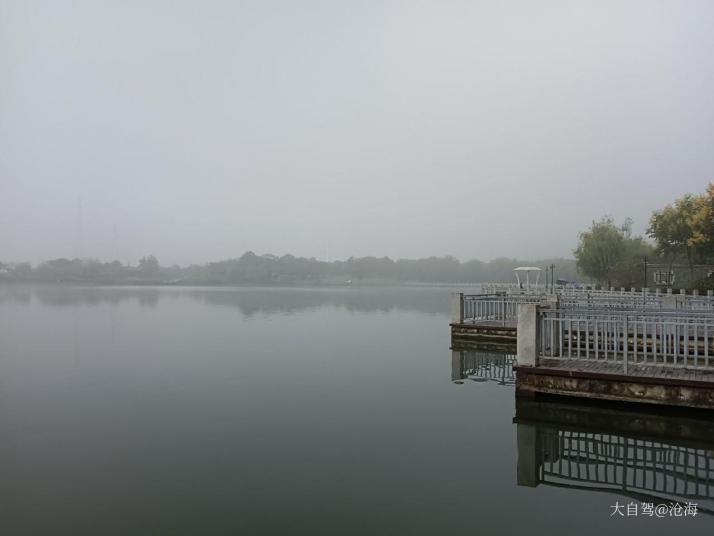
(527, 334)
(457, 307)
(503, 307)
(625, 343)
(546, 279)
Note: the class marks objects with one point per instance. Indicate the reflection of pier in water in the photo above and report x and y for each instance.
(482, 366)
(645, 456)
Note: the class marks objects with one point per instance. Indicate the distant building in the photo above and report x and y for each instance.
(676, 275)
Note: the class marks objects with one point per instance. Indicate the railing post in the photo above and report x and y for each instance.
(552, 301)
(669, 301)
(527, 334)
(457, 307)
(625, 343)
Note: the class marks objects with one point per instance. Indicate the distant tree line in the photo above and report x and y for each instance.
(252, 269)
(681, 232)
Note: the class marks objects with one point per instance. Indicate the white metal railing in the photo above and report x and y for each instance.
(514, 288)
(614, 302)
(500, 308)
(611, 299)
(674, 338)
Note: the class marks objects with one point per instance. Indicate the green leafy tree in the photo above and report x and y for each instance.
(600, 249)
(702, 223)
(673, 229)
(610, 254)
(149, 266)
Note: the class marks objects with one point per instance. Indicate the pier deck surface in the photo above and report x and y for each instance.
(613, 370)
(510, 324)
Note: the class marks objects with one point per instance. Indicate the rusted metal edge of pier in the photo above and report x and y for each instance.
(644, 384)
(493, 334)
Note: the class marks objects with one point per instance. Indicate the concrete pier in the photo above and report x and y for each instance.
(648, 347)
(606, 381)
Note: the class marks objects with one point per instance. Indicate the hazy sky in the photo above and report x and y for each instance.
(197, 130)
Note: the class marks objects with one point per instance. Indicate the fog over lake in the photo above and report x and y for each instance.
(196, 131)
(229, 236)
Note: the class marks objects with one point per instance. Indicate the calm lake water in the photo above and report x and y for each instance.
(179, 411)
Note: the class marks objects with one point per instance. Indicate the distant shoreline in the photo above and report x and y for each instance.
(196, 284)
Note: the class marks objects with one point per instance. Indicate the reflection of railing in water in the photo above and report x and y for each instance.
(482, 366)
(638, 466)
(647, 457)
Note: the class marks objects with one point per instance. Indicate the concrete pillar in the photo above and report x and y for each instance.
(682, 291)
(669, 291)
(673, 301)
(669, 301)
(527, 334)
(695, 292)
(528, 467)
(457, 307)
(622, 290)
(710, 293)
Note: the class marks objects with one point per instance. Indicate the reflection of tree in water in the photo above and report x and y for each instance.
(248, 300)
(58, 296)
(288, 301)
(649, 455)
(15, 294)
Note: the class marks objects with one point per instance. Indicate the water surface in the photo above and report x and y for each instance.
(273, 411)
